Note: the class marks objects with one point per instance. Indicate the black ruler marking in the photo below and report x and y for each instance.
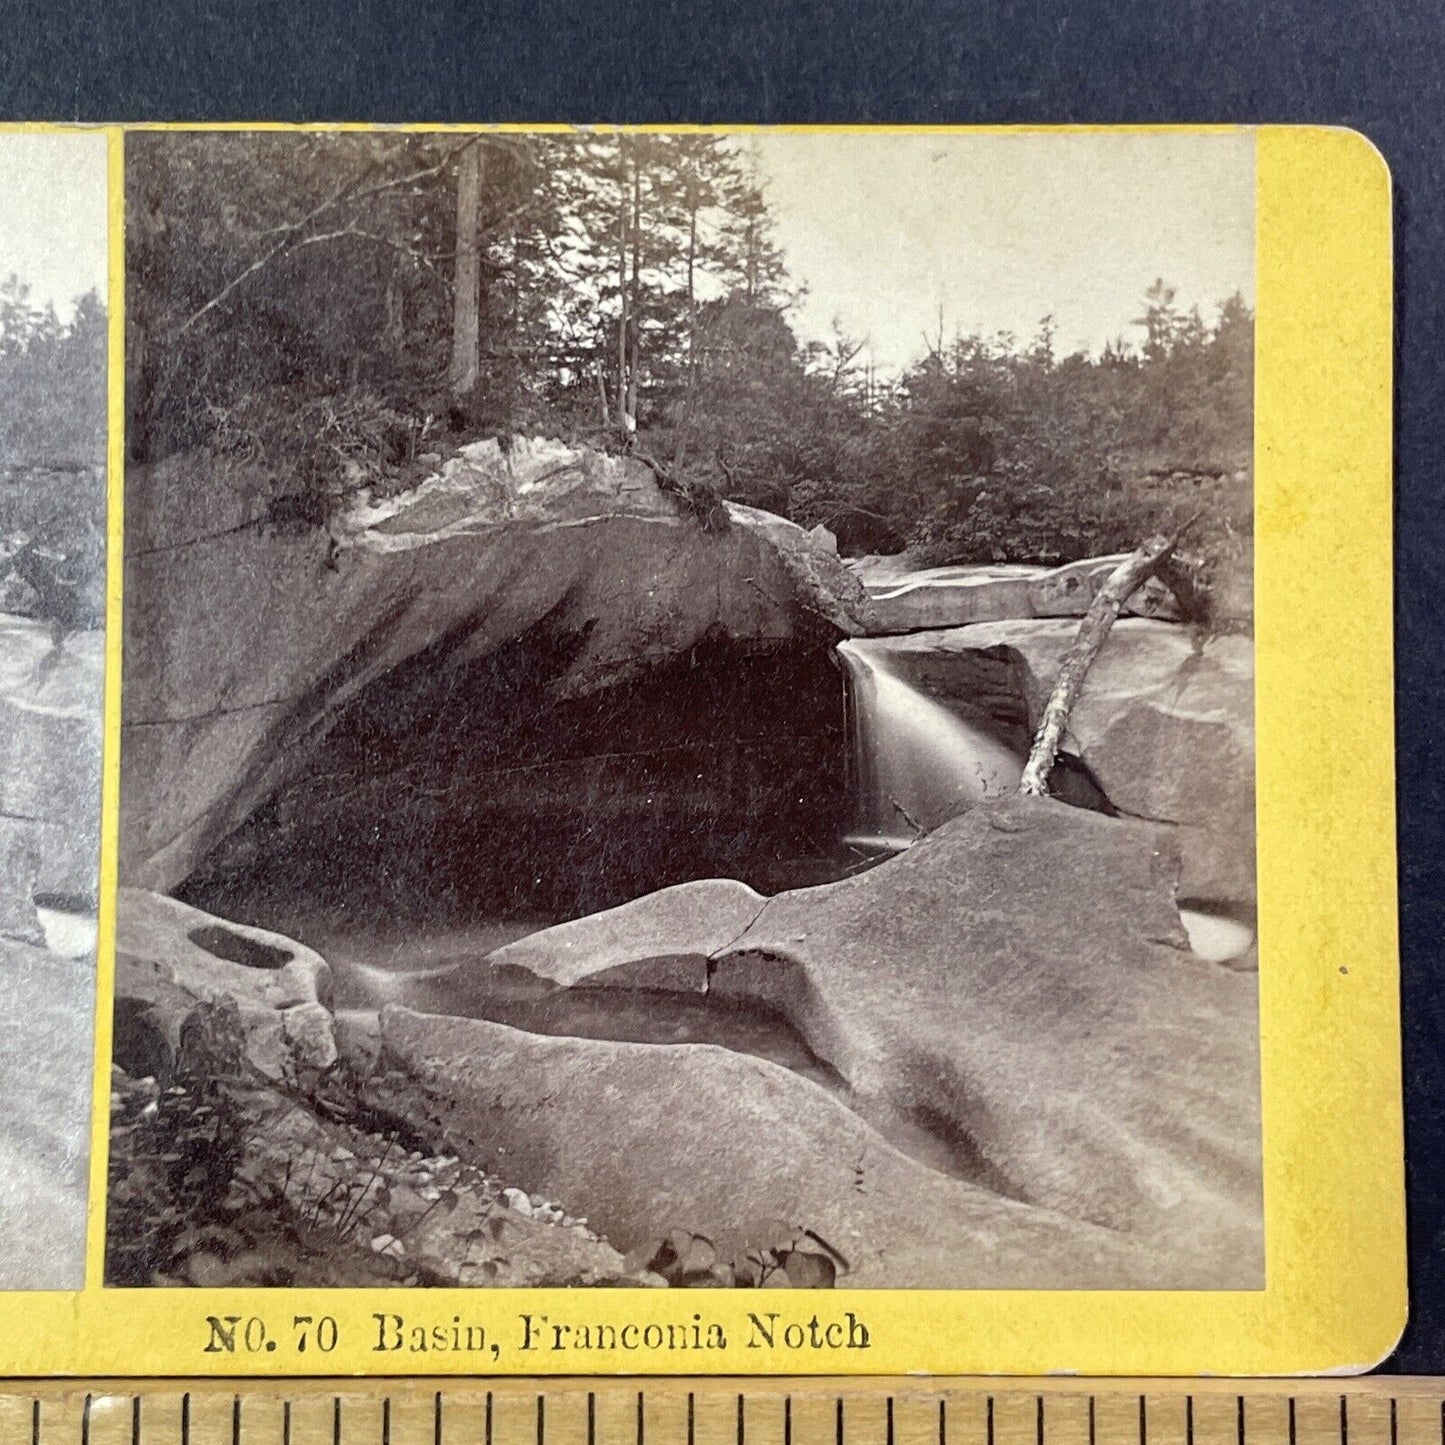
(1091, 1420)
(989, 1428)
(642, 1422)
(742, 1424)
(285, 1423)
(235, 1420)
(1394, 1428)
(35, 1422)
(1039, 1420)
(541, 1419)
(186, 1418)
(489, 1417)
(592, 1419)
(838, 1426)
(135, 1421)
(1291, 1421)
(436, 1429)
(1189, 1420)
(691, 1419)
(1143, 1423)
(1344, 1422)
(336, 1420)
(888, 1428)
(787, 1421)
(1239, 1418)
(85, 1421)
(386, 1420)
(943, 1424)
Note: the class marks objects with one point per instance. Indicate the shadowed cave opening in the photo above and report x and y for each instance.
(458, 803)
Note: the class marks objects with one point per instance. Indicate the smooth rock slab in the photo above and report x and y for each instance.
(660, 941)
(1017, 986)
(1020, 981)
(650, 1138)
(907, 601)
(171, 957)
(47, 1011)
(50, 719)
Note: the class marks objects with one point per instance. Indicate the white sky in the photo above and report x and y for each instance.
(1001, 230)
(53, 214)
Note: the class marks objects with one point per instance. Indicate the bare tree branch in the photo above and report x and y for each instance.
(288, 234)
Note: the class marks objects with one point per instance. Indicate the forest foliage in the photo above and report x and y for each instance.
(52, 381)
(52, 457)
(337, 306)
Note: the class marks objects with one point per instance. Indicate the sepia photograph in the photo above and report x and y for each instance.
(687, 710)
(53, 329)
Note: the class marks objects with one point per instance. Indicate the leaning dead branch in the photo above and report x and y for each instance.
(1122, 583)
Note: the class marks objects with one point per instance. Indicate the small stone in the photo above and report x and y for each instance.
(518, 1200)
(383, 1242)
(430, 1193)
(341, 1153)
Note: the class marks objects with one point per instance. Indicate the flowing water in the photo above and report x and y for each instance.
(918, 764)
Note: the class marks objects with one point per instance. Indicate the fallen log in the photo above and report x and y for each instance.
(1122, 583)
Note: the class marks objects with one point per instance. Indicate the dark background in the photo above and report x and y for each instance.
(1374, 66)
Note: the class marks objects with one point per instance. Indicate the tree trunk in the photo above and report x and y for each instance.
(602, 394)
(631, 417)
(622, 317)
(393, 328)
(1122, 583)
(466, 301)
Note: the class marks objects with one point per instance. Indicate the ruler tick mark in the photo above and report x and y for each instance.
(1189, 1420)
(742, 1425)
(1143, 1422)
(85, 1421)
(35, 1422)
(542, 1418)
(1291, 1421)
(186, 1418)
(1394, 1427)
(888, 1429)
(641, 1423)
(386, 1420)
(1239, 1419)
(235, 1420)
(1039, 1420)
(1091, 1420)
(691, 1418)
(135, 1421)
(436, 1425)
(591, 1419)
(943, 1423)
(787, 1420)
(336, 1420)
(989, 1417)
(1344, 1421)
(285, 1423)
(489, 1418)
(838, 1422)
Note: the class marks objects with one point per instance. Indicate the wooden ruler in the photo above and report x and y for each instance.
(858, 1411)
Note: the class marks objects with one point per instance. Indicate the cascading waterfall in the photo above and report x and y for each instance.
(918, 764)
